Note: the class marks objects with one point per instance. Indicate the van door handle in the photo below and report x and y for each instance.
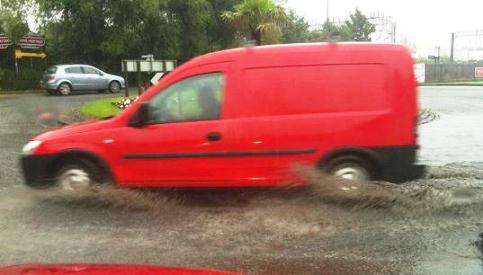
(213, 136)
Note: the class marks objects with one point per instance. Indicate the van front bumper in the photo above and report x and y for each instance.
(35, 170)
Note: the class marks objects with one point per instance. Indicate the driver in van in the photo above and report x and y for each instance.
(210, 107)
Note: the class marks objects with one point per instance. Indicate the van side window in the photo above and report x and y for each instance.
(196, 98)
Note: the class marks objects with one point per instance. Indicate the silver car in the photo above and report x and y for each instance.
(63, 79)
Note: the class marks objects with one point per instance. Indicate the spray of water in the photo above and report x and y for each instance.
(113, 197)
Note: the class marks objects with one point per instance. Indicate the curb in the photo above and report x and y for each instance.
(450, 84)
(24, 92)
(72, 116)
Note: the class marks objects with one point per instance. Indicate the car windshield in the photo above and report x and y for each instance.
(256, 137)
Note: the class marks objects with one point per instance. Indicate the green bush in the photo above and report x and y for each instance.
(27, 79)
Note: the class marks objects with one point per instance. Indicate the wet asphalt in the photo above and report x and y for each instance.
(431, 226)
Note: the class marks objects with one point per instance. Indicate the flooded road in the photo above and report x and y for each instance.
(457, 135)
(431, 226)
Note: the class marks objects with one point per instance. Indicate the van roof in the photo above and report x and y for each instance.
(305, 48)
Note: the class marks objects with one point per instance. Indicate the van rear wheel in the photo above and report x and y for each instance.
(351, 168)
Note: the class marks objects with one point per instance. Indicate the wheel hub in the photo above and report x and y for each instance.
(74, 179)
(351, 173)
(115, 87)
(64, 89)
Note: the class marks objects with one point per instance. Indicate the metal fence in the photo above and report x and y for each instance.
(449, 72)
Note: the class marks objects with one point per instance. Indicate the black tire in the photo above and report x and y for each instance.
(64, 88)
(77, 165)
(352, 167)
(115, 87)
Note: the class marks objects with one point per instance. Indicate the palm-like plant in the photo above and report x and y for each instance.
(256, 17)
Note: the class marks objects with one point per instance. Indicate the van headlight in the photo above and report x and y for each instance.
(30, 147)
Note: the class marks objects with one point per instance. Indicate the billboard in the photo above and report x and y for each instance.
(31, 41)
(4, 42)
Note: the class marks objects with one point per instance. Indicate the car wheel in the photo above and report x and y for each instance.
(76, 175)
(351, 168)
(64, 89)
(114, 87)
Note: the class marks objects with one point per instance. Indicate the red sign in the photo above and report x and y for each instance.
(4, 42)
(479, 72)
(31, 41)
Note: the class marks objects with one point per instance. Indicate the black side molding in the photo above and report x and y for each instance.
(221, 154)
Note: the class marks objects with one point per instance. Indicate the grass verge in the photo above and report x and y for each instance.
(102, 108)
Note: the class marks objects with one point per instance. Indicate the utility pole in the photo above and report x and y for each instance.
(439, 53)
(394, 39)
(327, 12)
(451, 57)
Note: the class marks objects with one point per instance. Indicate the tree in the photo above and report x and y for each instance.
(360, 26)
(13, 19)
(256, 17)
(296, 29)
(221, 35)
(169, 29)
(330, 32)
(191, 19)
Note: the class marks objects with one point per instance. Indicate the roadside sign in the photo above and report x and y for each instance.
(169, 65)
(4, 42)
(156, 78)
(132, 66)
(479, 72)
(146, 65)
(19, 55)
(129, 66)
(31, 41)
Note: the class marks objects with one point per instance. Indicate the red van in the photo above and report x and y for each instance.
(245, 117)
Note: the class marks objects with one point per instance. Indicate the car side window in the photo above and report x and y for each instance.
(193, 99)
(73, 70)
(89, 70)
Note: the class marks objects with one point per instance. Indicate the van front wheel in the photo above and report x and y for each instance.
(78, 174)
(351, 168)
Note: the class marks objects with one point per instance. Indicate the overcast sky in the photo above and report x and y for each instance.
(426, 23)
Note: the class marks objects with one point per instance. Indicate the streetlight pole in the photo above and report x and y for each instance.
(439, 53)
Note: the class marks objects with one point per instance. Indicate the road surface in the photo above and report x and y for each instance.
(424, 227)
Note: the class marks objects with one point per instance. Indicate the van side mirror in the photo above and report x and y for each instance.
(142, 116)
